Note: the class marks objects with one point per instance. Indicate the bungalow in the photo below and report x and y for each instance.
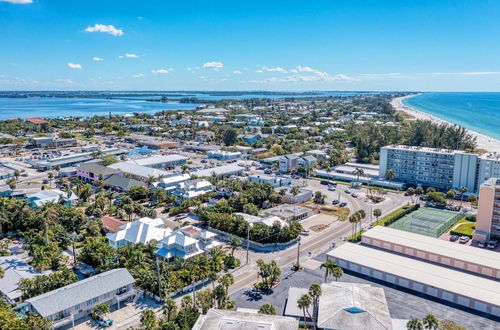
(43, 197)
(289, 212)
(186, 243)
(65, 305)
(268, 221)
(190, 189)
(217, 319)
(122, 184)
(141, 231)
(303, 196)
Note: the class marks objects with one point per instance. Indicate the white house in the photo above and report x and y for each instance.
(142, 231)
(56, 196)
(186, 243)
(275, 181)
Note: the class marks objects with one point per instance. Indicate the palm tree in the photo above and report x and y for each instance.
(419, 191)
(148, 319)
(414, 324)
(315, 292)
(50, 175)
(294, 191)
(463, 190)
(226, 281)
(377, 213)
(169, 308)
(337, 273)
(390, 175)
(354, 219)
(362, 215)
(2, 272)
(329, 266)
(451, 194)
(358, 172)
(410, 192)
(430, 322)
(233, 244)
(73, 238)
(49, 217)
(267, 309)
(303, 303)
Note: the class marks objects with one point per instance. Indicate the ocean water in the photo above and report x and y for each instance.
(479, 112)
(53, 107)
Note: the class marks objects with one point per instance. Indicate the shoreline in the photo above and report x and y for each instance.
(483, 141)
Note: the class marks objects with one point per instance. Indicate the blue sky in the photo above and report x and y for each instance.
(258, 45)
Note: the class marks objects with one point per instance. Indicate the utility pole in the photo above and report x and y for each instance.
(298, 253)
(159, 278)
(248, 240)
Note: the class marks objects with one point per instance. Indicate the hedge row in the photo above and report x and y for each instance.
(398, 214)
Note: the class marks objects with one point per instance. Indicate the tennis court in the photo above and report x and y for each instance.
(427, 221)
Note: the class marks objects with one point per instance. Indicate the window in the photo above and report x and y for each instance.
(77, 307)
(106, 295)
(95, 300)
(89, 302)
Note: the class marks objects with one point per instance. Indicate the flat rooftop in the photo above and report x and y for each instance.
(453, 250)
(424, 149)
(458, 282)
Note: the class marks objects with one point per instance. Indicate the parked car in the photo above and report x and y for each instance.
(331, 188)
(335, 201)
(268, 171)
(492, 245)
(343, 204)
(453, 238)
(464, 239)
(305, 232)
(181, 216)
(354, 195)
(347, 191)
(481, 244)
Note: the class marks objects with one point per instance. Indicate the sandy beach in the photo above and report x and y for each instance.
(483, 141)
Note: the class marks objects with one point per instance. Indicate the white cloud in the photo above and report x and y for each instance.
(213, 65)
(259, 71)
(162, 71)
(128, 55)
(303, 74)
(95, 58)
(110, 29)
(75, 66)
(18, 2)
(139, 75)
(276, 69)
(237, 72)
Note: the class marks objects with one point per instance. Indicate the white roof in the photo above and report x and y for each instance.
(179, 238)
(157, 159)
(175, 179)
(268, 221)
(219, 170)
(450, 280)
(141, 231)
(138, 170)
(432, 245)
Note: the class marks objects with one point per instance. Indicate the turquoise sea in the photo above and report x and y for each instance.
(479, 112)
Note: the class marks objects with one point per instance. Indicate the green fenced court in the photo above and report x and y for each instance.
(427, 221)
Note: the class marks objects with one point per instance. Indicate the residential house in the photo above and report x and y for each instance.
(121, 183)
(289, 212)
(192, 188)
(204, 136)
(288, 163)
(186, 243)
(307, 162)
(138, 172)
(141, 231)
(56, 196)
(111, 224)
(16, 267)
(268, 221)
(65, 305)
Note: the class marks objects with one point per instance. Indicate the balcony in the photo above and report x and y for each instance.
(61, 322)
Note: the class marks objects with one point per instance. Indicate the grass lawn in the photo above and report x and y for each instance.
(466, 228)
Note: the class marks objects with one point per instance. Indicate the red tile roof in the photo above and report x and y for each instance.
(112, 224)
(36, 120)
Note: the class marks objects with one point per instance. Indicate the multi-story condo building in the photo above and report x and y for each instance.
(488, 212)
(440, 168)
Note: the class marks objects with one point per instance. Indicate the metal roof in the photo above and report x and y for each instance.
(450, 280)
(79, 292)
(436, 246)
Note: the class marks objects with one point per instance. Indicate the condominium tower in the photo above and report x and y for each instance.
(488, 211)
(440, 168)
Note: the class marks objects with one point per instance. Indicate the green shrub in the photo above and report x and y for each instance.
(398, 214)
